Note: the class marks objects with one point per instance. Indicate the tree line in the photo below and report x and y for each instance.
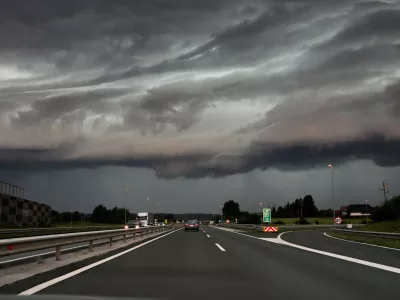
(101, 214)
(305, 208)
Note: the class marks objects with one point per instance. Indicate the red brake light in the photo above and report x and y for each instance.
(186, 224)
(197, 224)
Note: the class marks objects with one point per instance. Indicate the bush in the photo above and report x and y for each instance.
(279, 222)
(302, 222)
(316, 222)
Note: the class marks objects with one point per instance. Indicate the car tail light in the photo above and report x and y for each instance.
(197, 225)
(186, 224)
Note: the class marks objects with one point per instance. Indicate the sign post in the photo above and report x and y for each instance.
(266, 215)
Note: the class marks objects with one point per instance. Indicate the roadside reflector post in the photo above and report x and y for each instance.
(90, 246)
(110, 241)
(58, 253)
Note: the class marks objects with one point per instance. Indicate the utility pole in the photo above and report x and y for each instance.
(125, 190)
(384, 190)
(333, 192)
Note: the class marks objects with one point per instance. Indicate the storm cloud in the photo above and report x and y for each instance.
(198, 89)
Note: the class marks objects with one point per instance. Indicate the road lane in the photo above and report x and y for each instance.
(188, 265)
(317, 240)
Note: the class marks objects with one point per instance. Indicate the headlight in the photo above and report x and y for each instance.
(137, 226)
(126, 227)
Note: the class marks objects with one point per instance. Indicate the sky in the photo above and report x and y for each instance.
(190, 103)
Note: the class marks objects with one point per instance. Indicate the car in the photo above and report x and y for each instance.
(133, 224)
(192, 225)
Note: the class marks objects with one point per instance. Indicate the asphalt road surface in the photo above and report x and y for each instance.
(218, 264)
(317, 240)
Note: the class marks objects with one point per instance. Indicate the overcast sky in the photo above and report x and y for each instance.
(192, 103)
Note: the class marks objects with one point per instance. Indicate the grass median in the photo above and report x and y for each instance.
(385, 242)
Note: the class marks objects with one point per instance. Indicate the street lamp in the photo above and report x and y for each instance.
(261, 214)
(366, 209)
(333, 192)
(125, 191)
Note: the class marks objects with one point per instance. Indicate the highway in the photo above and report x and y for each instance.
(220, 264)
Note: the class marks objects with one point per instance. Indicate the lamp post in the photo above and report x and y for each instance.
(125, 191)
(333, 192)
(366, 209)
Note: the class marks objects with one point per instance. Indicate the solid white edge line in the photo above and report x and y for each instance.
(208, 235)
(53, 281)
(220, 248)
(342, 257)
(354, 242)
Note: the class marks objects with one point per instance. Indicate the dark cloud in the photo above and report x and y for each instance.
(198, 88)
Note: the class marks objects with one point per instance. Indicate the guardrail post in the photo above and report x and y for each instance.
(58, 253)
(124, 238)
(110, 241)
(90, 246)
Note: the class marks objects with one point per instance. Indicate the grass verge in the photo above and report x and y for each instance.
(388, 226)
(391, 243)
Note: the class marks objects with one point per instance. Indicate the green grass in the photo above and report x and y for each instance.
(392, 243)
(322, 221)
(388, 226)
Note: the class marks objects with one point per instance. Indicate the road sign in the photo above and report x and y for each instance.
(270, 229)
(166, 221)
(266, 215)
(338, 220)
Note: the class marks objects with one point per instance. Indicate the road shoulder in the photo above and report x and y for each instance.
(19, 278)
(317, 240)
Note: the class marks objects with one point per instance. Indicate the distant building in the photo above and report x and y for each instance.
(359, 210)
(15, 210)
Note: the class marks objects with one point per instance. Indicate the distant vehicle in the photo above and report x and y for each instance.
(133, 224)
(146, 219)
(192, 225)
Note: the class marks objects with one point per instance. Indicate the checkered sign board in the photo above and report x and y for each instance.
(23, 212)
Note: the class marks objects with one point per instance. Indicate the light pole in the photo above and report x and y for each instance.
(222, 213)
(333, 192)
(366, 209)
(261, 214)
(125, 191)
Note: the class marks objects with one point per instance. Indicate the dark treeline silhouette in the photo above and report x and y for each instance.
(301, 208)
(305, 208)
(387, 211)
(102, 214)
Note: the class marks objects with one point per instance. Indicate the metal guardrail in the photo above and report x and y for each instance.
(389, 235)
(28, 244)
(63, 228)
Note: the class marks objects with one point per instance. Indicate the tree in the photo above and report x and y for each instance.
(231, 209)
(55, 216)
(273, 212)
(309, 208)
(100, 214)
(76, 216)
(279, 212)
(388, 210)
